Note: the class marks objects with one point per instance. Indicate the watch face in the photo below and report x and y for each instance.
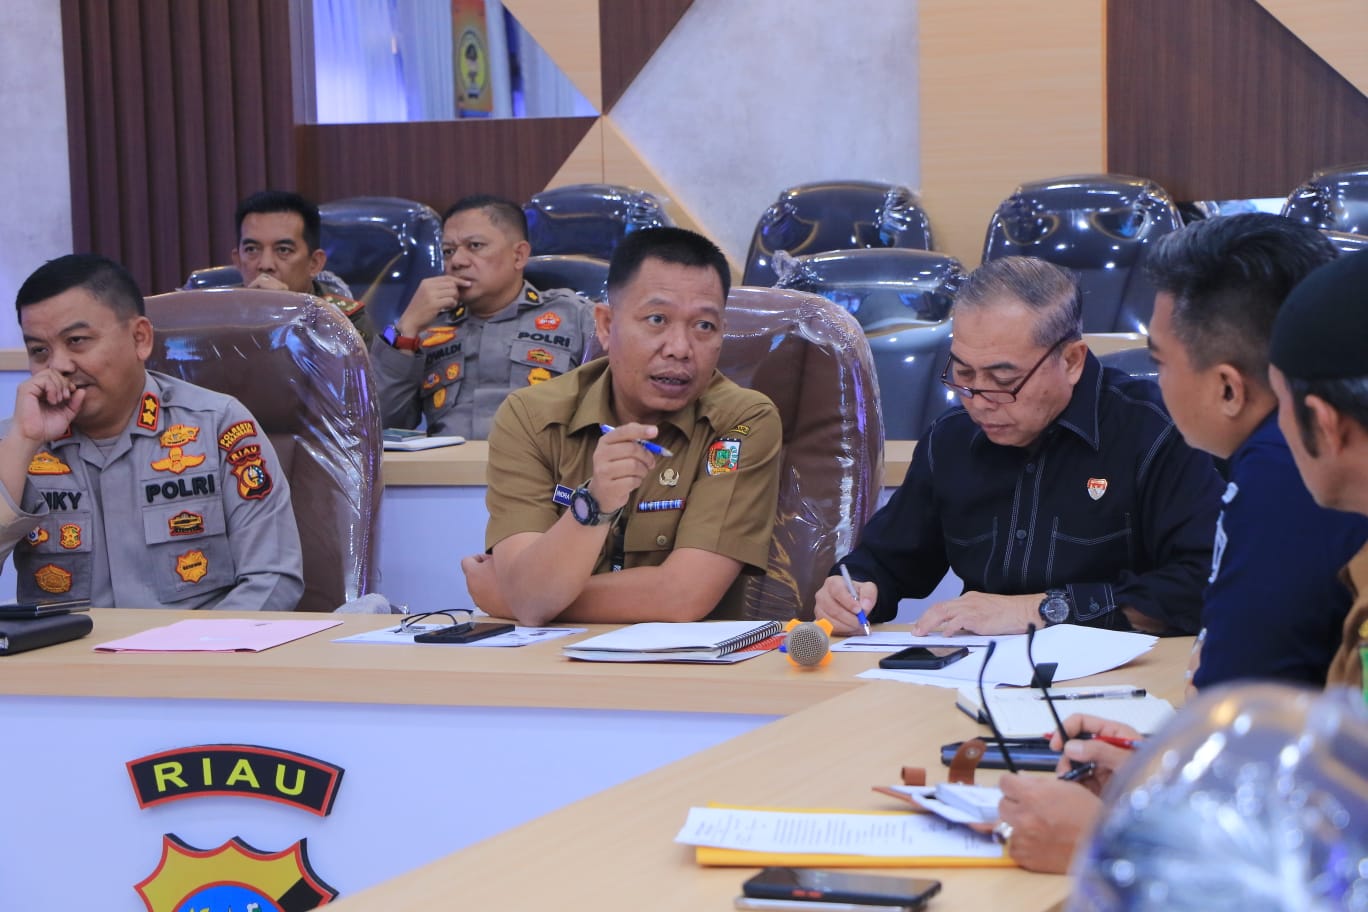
(1054, 610)
(582, 507)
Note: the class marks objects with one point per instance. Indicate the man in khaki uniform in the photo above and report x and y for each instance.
(279, 237)
(129, 488)
(479, 331)
(1319, 373)
(639, 486)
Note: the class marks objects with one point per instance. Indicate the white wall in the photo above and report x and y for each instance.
(35, 178)
(765, 94)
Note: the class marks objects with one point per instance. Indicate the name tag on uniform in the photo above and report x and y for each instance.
(562, 495)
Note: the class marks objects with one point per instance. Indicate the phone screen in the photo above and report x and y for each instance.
(839, 886)
(924, 657)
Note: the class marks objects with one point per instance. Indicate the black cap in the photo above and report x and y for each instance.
(1321, 332)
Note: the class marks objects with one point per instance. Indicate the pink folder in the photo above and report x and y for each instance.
(217, 635)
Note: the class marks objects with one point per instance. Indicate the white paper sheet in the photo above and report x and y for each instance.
(519, 636)
(876, 835)
(892, 642)
(1079, 651)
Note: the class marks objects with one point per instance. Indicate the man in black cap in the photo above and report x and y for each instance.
(1319, 372)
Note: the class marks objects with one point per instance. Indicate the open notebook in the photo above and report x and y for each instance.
(1020, 712)
(699, 641)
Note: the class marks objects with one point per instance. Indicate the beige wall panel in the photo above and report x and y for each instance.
(1011, 91)
(622, 164)
(585, 164)
(568, 30)
(1337, 30)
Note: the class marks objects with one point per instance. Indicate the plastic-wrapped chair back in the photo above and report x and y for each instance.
(902, 299)
(1134, 361)
(585, 274)
(589, 219)
(810, 357)
(303, 372)
(1335, 198)
(214, 277)
(1099, 226)
(382, 247)
(835, 215)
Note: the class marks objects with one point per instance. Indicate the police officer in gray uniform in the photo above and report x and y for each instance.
(479, 331)
(126, 487)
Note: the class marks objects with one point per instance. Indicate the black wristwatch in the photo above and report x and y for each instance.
(585, 508)
(1054, 607)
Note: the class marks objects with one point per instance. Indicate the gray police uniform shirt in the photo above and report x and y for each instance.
(467, 366)
(187, 508)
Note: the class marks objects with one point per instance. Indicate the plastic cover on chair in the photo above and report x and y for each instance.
(811, 358)
(303, 372)
(383, 247)
(1097, 225)
(902, 300)
(589, 219)
(1335, 198)
(835, 215)
(585, 274)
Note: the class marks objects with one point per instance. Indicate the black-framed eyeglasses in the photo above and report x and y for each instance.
(998, 396)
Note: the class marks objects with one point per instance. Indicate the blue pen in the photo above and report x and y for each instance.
(650, 447)
(859, 612)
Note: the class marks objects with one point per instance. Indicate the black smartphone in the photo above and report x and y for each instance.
(924, 657)
(462, 633)
(13, 611)
(813, 885)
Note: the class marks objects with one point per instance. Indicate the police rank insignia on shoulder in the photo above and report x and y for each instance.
(533, 296)
(148, 412)
(724, 456)
(254, 482)
(44, 463)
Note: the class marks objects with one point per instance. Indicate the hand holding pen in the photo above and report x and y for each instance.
(859, 612)
(623, 457)
(1100, 746)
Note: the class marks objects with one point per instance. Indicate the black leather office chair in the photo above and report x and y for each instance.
(1345, 242)
(585, 274)
(835, 215)
(303, 372)
(589, 219)
(902, 299)
(1334, 198)
(382, 247)
(1097, 225)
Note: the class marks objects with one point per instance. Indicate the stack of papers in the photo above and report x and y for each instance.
(1022, 713)
(712, 642)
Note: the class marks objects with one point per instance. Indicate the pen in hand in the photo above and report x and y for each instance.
(859, 612)
(1129, 744)
(651, 447)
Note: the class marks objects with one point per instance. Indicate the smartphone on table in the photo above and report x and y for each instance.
(924, 657)
(462, 633)
(829, 891)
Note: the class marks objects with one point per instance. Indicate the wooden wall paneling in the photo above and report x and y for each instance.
(629, 33)
(1218, 100)
(585, 164)
(436, 162)
(1010, 92)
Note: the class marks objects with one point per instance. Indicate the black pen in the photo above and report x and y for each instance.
(1082, 771)
(1128, 694)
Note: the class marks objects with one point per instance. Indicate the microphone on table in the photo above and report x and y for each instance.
(808, 643)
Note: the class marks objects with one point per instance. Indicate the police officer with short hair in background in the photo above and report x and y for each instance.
(126, 487)
(479, 331)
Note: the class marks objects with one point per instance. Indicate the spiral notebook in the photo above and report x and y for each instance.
(696, 641)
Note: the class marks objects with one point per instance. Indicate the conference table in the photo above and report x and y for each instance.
(478, 778)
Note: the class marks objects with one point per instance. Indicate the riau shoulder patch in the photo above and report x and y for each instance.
(254, 481)
(148, 412)
(44, 463)
(724, 456)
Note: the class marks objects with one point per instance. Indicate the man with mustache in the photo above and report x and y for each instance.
(637, 487)
(129, 488)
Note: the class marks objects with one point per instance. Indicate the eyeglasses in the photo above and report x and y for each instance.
(998, 396)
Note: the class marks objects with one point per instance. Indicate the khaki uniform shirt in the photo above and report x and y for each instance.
(718, 493)
(188, 508)
(1346, 668)
(468, 365)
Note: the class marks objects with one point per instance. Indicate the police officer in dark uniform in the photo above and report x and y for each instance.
(279, 235)
(479, 331)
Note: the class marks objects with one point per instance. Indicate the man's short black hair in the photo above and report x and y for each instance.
(102, 277)
(504, 213)
(267, 202)
(1228, 277)
(671, 245)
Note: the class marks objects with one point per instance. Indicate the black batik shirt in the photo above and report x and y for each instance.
(1110, 505)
